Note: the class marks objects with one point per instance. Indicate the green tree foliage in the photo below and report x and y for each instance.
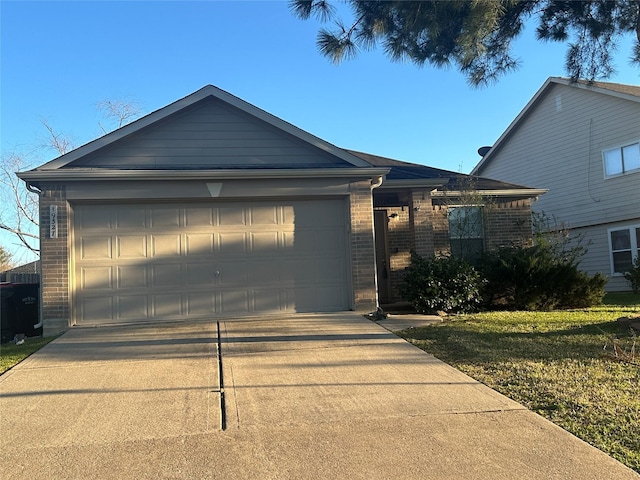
(476, 36)
(633, 276)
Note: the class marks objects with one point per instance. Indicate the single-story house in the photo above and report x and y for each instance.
(211, 207)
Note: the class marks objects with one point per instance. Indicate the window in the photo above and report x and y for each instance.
(466, 232)
(625, 248)
(618, 161)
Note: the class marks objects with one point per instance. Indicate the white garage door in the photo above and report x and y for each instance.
(162, 262)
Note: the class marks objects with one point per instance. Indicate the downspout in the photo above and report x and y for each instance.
(375, 183)
(38, 192)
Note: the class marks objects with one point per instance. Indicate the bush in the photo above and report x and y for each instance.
(444, 284)
(633, 275)
(538, 278)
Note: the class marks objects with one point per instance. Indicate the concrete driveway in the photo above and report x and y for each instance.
(311, 396)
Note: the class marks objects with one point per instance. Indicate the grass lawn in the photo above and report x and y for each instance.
(11, 354)
(560, 364)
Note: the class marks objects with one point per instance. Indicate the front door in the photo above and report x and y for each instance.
(382, 256)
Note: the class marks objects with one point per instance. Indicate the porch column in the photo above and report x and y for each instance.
(420, 219)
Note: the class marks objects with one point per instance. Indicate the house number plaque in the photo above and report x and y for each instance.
(53, 221)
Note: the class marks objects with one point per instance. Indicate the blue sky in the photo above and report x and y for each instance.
(60, 59)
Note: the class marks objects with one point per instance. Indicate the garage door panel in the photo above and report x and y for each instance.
(132, 217)
(200, 303)
(200, 217)
(165, 217)
(318, 215)
(327, 298)
(264, 243)
(96, 278)
(330, 268)
(165, 245)
(132, 307)
(166, 275)
(233, 275)
(95, 248)
(97, 308)
(99, 217)
(199, 244)
(234, 301)
(232, 243)
(167, 305)
(264, 215)
(158, 261)
(267, 300)
(132, 276)
(231, 216)
(131, 246)
(262, 273)
(200, 273)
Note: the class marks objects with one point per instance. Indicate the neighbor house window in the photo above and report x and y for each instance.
(625, 248)
(466, 231)
(621, 160)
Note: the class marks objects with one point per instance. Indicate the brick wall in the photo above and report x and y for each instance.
(420, 219)
(424, 228)
(508, 223)
(362, 247)
(441, 241)
(54, 254)
(400, 242)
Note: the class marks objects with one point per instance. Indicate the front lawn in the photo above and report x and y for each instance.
(562, 365)
(11, 354)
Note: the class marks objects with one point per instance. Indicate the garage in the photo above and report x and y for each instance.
(172, 261)
(206, 208)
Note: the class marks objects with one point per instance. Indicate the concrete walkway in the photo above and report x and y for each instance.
(317, 396)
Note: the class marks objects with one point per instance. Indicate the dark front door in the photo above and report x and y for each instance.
(382, 255)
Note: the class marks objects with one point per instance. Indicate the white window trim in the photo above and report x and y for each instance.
(634, 247)
(618, 147)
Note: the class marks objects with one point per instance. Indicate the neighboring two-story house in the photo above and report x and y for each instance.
(581, 141)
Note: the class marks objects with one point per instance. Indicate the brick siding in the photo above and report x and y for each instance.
(362, 247)
(423, 227)
(54, 255)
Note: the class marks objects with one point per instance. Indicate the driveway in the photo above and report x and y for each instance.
(309, 396)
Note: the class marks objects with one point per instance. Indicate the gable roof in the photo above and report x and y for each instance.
(404, 174)
(618, 90)
(199, 96)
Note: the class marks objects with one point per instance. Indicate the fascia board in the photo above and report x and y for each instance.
(427, 182)
(207, 91)
(88, 175)
(513, 192)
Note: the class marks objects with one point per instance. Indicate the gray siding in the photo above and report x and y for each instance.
(598, 258)
(559, 146)
(561, 150)
(210, 134)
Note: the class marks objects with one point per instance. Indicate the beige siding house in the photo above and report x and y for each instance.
(581, 141)
(211, 207)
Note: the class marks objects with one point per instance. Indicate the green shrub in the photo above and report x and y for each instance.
(538, 278)
(633, 275)
(446, 284)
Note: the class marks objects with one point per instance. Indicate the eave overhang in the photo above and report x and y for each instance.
(514, 192)
(418, 183)
(69, 175)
